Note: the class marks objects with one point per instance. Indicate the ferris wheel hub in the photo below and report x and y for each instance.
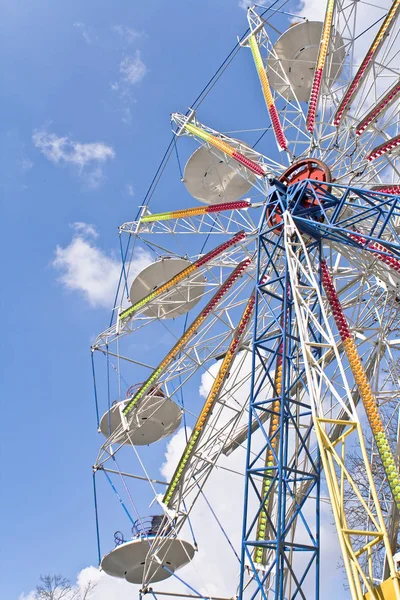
(308, 168)
(156, 417)
(177, 302)
(294, 58)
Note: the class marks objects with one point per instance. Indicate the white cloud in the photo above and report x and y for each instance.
(132, 69)
(207, 379)
(174, 451)
(29, 596)
(314, 9)
(95, 178)
(87, 157)
(85, 229)
(87, 269)
(245, 4)
(62, 149)
(128, 33)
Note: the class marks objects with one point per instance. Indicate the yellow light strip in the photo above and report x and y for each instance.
(365, 390)
(225, 148)
(211, 400)
(238, 237)
(322, 53)
(268, 97)
(258, 555)
(195, 211)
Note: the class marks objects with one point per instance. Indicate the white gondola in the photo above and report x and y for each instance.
(127, 561)
(177, 302)
(296, 51)
(155, 418)
(133, 561)
(212, 180)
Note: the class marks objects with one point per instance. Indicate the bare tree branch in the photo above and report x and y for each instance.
(57, 587)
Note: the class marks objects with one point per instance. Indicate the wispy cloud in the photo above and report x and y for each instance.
(245, 4)
(132, 69)
(85, 32)
(130, 189)
(128, 34)
(85, 268)
(126, 115)
(63, 149)
(85, 229)
(87, 157)
(25, 164)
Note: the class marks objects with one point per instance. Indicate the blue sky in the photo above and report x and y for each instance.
(89, 87)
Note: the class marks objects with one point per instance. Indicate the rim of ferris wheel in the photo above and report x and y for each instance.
(133, 560)
(212, 180)
(156, 417)
(179, 301)
(297, 50)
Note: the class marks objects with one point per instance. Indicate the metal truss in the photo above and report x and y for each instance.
(358, 544)
(282, 484)
(336, 215)
(226, 222)
(281, 500)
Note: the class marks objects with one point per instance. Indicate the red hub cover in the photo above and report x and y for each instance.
(309, 168)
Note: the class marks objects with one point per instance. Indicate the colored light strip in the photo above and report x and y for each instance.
(376, 249)
(269, 100)
(380, 106)
(211, 400)
(351, 90)
(269, 459)
(387, 189)
(366, 393)
(225, 148)
(238, 237)
(322, 53)
(197, 210)
(189, 333)
(384, 148)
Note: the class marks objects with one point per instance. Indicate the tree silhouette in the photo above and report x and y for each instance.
(57, 587)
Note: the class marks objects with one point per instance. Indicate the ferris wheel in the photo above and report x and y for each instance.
(277, 294)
